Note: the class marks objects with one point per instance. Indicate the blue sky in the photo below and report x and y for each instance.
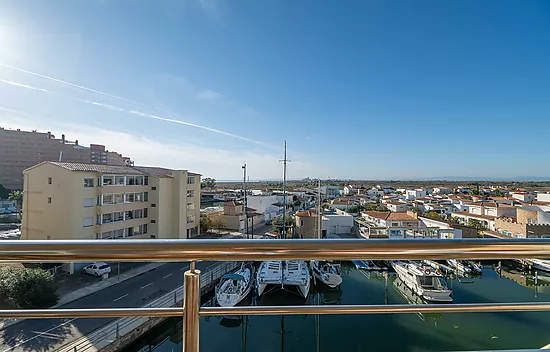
(359, 89)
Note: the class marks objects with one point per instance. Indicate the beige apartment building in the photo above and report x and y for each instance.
(73, 201)
(20, 150)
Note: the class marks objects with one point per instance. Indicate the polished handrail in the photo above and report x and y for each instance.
(188, 250)
(277, 310)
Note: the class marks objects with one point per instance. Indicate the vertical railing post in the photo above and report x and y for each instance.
(191, 301)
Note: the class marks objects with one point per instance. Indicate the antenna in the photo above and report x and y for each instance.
(60, 155)
(245, 201)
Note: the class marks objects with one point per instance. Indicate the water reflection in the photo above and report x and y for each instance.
(383, 332)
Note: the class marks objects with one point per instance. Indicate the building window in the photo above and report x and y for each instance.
(88, 222)
(190, 218)
(49, 200)
(145, 196)
(153, 205)
(108, 180)
(118, 233)
(130, 180)
(190, 206)
(118, 198)
(129, 215)
(88, 182)
(118, 216)
(88, 202)
(107, 199)
(153, 188)
(139, 180)
(119, 180)
(107, 235)
(145, 212)
(107, 218)
(138, 197)
(49, 180)
(129, 198)
(190, 193)
(138, 213)
(394, 224)
(153, 221)
(190, 180)
(98, 219)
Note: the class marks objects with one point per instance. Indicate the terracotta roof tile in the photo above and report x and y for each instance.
(99, 168)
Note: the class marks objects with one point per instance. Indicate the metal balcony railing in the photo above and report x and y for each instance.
(237, 250)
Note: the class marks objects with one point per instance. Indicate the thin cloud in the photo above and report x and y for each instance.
(140, 113)
(209, 94)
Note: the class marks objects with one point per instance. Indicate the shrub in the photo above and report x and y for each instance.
(28, 288)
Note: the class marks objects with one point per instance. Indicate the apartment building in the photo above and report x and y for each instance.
(72, 201)
(20, 150)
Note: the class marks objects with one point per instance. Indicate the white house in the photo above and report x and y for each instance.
(374, 192)
(337, 222)
(342, 204)
(397, 207)
(492, 209)
(524, 197)
(446, 231)
(442, 190)
(412, 194)
(543, 197)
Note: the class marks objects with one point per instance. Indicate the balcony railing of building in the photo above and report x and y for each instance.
(237, 250)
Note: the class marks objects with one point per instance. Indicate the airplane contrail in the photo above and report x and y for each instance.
(132, 112)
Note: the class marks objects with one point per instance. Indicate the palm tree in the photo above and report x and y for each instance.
(17, 197)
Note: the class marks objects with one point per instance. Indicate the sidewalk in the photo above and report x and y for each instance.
(78, 293)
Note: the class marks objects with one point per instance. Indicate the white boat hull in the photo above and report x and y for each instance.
(289, 275)
(410, 279)
(230, 292)
(329, 277)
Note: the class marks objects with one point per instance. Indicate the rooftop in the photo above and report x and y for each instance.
(102, 169)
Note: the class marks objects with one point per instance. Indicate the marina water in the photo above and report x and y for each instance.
(379, 332)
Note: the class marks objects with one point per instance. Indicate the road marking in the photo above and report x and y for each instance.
(149, 284)
(121, 297)
(40, 334)
(167, 276)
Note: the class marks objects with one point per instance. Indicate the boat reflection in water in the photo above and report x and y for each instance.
(413, 298)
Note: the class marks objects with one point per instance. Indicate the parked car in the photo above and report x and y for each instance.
(97, 269)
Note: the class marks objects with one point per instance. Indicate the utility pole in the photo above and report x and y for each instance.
(245, 202)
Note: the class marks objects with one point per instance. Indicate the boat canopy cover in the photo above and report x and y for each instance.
(234, 277)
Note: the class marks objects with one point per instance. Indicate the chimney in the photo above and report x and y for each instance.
(76, 142)
(49, 135)
(63, 138)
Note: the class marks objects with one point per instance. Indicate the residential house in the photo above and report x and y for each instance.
(398, 224)
(449, 230)
(329, 192)
(234, 217)
(73, 201)
(442, 190)
(524, 197)
(268, 205)
(343, 204)
(492, 209)
(543, 197)
(412, 194)
(397, 207)
(336, 222)
(530, 222)
(307, 224)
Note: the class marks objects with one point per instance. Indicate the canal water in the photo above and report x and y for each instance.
(382, 332)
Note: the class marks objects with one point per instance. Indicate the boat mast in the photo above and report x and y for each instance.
(283, 232)
(245, 202)
(319, 217)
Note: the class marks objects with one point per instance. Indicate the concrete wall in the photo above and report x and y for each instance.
(306, 226)
(543, 218)
(543, 197)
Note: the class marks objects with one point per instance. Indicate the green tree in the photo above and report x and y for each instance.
(498, 193)
(28, 288)
(205, 223)
(453, 220)
(208, 182)
(435, 216)
(476, 224)
(277, 224)
(17, 197)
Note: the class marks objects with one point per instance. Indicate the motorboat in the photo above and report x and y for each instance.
(424, 281)
(291, 275)
(541, 264)
(367, 265)
(475, 268)
(326, 272)
(414, 299)
(234, 287)
(459, 266)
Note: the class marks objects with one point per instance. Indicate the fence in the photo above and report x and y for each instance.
(223, 250)
(114, 330)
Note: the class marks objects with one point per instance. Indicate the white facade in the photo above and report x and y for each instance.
(375, 192)
(337, 223)
(445, 230)
(442, 190)
(264, 205)
(397, 207)
(412, 194)
(524, 197)
(543, 197)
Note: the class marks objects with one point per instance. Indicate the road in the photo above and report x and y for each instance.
(49, 334)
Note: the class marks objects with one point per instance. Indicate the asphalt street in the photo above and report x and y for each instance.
(48, 334)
